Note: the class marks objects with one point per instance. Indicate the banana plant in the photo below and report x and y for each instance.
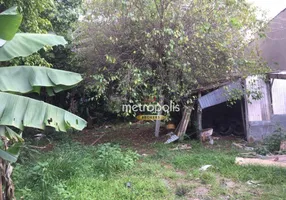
(18, 112)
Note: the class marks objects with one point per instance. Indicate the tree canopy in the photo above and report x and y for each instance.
(43, 16)
(137, 47)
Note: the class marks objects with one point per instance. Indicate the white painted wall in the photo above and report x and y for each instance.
(279, 96)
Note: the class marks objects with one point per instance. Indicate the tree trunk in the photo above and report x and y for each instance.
(9, 186)
(181, 130)
(158, 122)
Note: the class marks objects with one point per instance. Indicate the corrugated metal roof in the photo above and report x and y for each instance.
(218, 96)
(278, 75)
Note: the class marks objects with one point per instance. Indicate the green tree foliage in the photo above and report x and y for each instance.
(32, 22)
(31, 10)
(64, 17)
(31, 79)
(19, 112)
(43, 16)
(139, 47)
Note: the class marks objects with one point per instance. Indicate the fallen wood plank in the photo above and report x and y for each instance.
(182, 147)
(280, 158)
(181, 129)
(176, 149)
(38, 147)
(237, 145)
(257, 161)
(249, 155)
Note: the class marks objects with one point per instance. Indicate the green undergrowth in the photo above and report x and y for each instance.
(70, 170)
(75, 171)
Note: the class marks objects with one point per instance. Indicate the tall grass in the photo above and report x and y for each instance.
(106, 172)
(56, 174)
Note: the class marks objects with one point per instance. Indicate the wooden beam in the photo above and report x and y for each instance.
(199, 114)
(210, 87)
(277, 75)
(269, 96)
(246, 111)
(257, 161)
(243, 117)
(182, 128)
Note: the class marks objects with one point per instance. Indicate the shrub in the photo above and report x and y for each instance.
(272, 142)
(182, 190)
(111, 158)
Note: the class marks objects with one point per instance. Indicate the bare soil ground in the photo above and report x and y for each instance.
(136, 136)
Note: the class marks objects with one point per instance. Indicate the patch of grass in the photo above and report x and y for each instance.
(223, 163)
(73, 171)
(171, 175)
(48, 177)
(273, 192)
(208, 178)
(147, 169)
(110, 158)
(115, 188)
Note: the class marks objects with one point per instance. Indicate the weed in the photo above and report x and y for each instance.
(112, 159)
(28, 153)
(208, 178)
(182, 190)
(271, 143)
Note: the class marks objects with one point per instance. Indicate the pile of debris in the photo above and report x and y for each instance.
(253, 158)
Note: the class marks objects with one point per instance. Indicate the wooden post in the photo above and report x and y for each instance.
(246, 109)
(269, 84)
(199, 114)
(158, 122)
(181, 130)
(243, 116)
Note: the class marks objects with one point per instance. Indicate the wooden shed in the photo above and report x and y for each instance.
(261, 117)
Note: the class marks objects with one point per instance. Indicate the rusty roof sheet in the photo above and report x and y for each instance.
(218, 96)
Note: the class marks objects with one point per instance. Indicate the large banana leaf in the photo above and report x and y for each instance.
(24, 79)
(20, 112)
(10, 21)
(24, 44)
(12, 153)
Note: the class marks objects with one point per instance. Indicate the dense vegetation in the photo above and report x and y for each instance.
(135, 49)
(18, 112)
(126, 51)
